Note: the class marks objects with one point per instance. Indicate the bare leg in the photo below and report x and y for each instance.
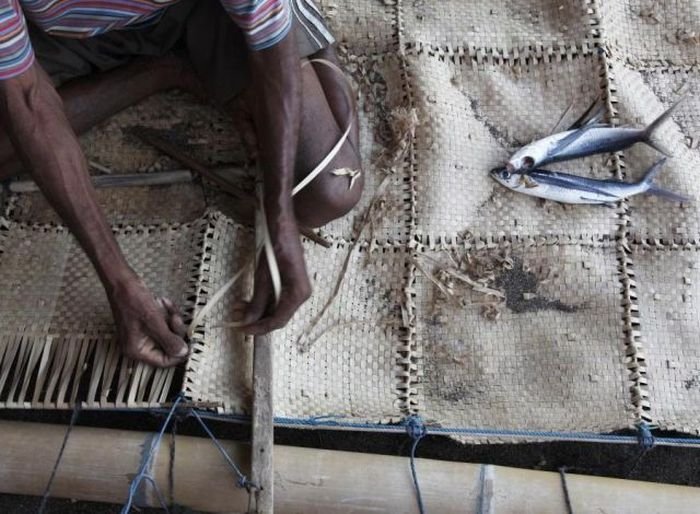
(325, 115)
(334, 87)
(91, 100)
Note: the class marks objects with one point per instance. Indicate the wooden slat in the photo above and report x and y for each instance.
(263, 431)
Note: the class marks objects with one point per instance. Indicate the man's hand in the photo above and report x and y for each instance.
(276, 80)
(261, 314)
(149, 329)
(32, 114)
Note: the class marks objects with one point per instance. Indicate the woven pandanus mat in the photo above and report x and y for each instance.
(154, 205)
(203, 130)
(56, 332)
(665, 84)
(548, 354)
(342, 359)
(365, 26)
(498, 24)
(647, 32)
(472, 117)
(668, 286)
(385, 123)
(443, 294)
(653, 218)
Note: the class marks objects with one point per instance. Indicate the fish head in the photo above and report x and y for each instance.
(507, 177)
(520, 162)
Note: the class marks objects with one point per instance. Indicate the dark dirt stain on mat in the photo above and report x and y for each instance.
(517, 282)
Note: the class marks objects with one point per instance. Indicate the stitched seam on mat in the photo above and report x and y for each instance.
(202, 293)
(522, 57)
(409, 354)
(497, 243)
(199, 291)
(634, 350)
(423, 242)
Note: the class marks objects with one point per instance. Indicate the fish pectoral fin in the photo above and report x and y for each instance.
(590, 116)
(528, 182)
(561, 119)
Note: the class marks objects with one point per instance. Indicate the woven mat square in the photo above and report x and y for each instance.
(542, 363)
(668, 85)
(345, 364)
(348, 362)
(220, 368)
(365, 27)
(651, 32)
(381, 106)
(57, 338)
(499, 24)
(652, 217)
(471, 119)
(154, 205)
(668, 287)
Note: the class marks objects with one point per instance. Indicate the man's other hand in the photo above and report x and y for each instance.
(149, 329)
(262, 315)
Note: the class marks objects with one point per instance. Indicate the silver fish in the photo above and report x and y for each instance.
(565, 188)
(591, 138)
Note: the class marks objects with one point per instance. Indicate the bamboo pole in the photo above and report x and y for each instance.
(99, 463)
(263, 425)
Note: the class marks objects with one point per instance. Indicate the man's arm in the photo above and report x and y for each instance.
(276, 79)
(32, 114)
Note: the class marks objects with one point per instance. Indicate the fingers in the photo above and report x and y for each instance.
(165, 328)
(150, 353)
(249, 312)
(174, 318)
(283, 313)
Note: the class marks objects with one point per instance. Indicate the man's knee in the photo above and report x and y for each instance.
(333, 196)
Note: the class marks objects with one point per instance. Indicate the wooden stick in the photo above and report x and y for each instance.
(263, 425)
(149, 136)
(171, 150)
(125, 180)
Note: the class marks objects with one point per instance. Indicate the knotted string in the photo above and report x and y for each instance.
(416, 430)
(47, 490)
(647, 442)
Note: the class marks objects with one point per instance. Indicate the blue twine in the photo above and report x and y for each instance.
(144, 473)
(329, 422)
(144, 470)
(47, 490)
(646, 438)
(647, 442)
(243, 481)
(416, 430)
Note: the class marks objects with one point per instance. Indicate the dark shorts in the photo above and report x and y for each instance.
(199, 29)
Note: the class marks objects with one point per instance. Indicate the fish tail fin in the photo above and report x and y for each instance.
(654, 125)
(665, 193)
(652, 189)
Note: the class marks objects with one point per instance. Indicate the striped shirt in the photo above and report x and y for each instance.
(264, 22)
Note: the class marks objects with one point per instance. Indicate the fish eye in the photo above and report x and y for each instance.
(505, 174)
